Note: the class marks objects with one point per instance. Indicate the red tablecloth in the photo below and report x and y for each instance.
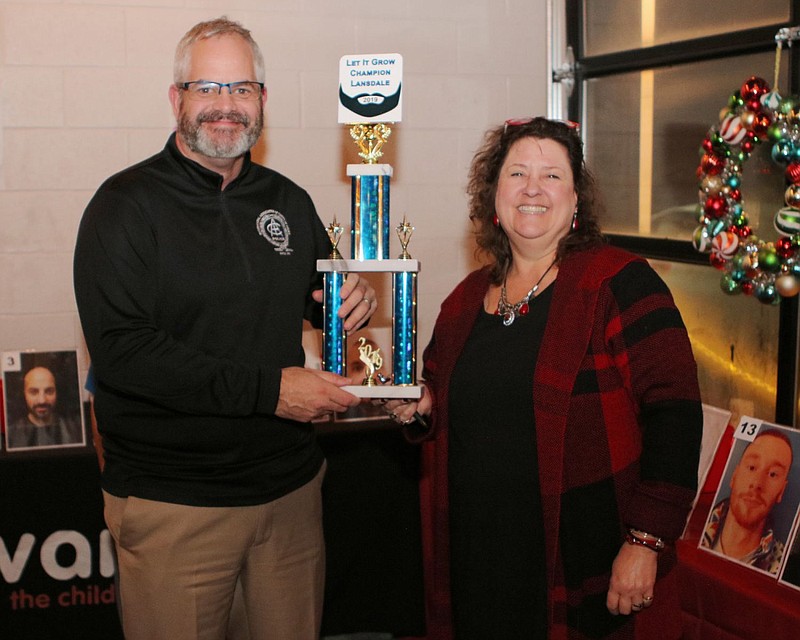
(722, 600)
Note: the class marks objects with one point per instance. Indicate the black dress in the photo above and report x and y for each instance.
(497, 545)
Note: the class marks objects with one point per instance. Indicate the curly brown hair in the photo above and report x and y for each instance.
(482, 188)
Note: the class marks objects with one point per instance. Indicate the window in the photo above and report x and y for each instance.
(649, 79)
(610, 26)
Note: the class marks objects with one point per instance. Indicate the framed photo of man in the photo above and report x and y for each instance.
(42, 400)
(756, 503)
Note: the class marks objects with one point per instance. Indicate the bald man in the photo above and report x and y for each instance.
(42, 425)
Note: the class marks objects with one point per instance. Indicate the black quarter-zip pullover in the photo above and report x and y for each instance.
(192, 300)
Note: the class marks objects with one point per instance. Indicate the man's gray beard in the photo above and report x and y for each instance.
(198, 140)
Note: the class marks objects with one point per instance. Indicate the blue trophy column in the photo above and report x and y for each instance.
(333, 335)
(370, 210)
(404, 328)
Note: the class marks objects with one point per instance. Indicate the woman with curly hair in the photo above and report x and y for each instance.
(561, 458)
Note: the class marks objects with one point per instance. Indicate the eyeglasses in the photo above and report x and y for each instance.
(518, 122)
(244, 91)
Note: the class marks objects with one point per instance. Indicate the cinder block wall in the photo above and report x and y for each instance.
(83, 94)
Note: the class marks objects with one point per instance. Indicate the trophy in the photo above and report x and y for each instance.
(369, 101)
(371, 359)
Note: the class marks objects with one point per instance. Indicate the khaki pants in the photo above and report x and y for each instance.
(178, 566)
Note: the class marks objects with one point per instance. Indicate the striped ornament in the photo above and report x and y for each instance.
(724, 245)
(787, 221)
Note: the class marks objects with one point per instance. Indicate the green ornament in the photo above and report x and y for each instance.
(769, 261)
(729, 285)
(767, 294)
(740, 261)
(737, 275)
(778, 131)
(700, 213)
(740, 219)
(787, 105)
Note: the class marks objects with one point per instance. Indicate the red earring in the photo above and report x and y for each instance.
(496, 220)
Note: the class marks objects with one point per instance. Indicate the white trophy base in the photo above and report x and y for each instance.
(395, 265)
(389, 391)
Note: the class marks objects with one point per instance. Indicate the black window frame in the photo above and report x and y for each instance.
(755, 40)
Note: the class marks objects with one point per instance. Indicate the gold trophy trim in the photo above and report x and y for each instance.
(335, 231)
(404, 231)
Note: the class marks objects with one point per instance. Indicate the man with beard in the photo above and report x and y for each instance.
(741, 526)
(42, 425)
(194, 271)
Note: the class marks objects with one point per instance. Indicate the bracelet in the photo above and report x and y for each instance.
(654, 543)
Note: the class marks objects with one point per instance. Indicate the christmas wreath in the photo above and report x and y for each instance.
(765, 270)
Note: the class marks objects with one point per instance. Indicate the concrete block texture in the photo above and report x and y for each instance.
(83, 94)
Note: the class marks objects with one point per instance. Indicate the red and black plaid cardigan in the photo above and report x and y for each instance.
(618, 423)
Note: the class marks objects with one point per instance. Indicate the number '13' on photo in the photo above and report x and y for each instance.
(748, 428)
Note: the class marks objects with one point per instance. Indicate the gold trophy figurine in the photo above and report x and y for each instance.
(404, 231)
(335, 231)
(370, 138)
(372, 360)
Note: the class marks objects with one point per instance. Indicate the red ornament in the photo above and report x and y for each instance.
(735, 195)
(783, 247)
(761, 123)
(716, 206)
(747, 146)
(717, 261)
(753, 105)
(711, 164)
(747, 288)
(523, 309)
(793, 173)
(708, 145)
(753, 87)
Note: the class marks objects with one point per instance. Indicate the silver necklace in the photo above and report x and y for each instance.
(511, 311)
